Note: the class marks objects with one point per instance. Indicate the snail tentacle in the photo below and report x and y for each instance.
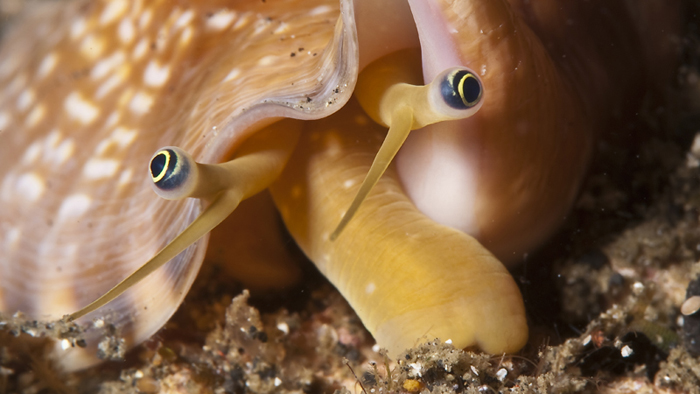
(212, 216)
(398, 132)
(258, 164)
(389, 92)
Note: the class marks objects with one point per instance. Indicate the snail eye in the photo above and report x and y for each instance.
(172, 173)
(461, 89)
(169, 170)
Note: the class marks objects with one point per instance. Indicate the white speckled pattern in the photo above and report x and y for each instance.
(93, 89)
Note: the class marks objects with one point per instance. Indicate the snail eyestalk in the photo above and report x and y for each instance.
(176, 175)
(389, 92)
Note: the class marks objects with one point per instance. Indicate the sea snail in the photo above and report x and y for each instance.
(291, 59)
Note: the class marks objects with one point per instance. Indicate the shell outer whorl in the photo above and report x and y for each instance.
(91, 89)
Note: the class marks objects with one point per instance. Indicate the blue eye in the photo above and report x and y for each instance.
(461, 89)
(169, 170)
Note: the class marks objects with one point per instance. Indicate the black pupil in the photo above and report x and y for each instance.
(158, 165)
(472, 89)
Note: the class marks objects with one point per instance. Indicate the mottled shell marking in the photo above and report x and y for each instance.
(91, 89)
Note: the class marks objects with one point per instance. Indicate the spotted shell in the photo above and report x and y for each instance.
(95, 90)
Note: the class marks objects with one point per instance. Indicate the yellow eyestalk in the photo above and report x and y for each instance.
(389, 93)
(176, 175)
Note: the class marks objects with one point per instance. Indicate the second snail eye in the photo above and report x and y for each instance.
(169, 169)
(461, 89)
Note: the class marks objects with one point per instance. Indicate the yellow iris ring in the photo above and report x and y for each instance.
(162, 173)
(460, 90)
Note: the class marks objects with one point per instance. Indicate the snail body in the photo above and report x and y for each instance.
(430, 280)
